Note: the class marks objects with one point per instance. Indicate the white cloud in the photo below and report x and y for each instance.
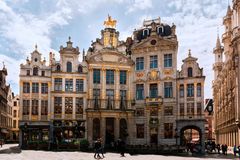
(139, 5)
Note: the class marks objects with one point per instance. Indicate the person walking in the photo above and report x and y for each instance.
(97, 147)
(101, 147)
(218, 148)
(226, 148)
(223, 148)
(122, 148)
(235, 150)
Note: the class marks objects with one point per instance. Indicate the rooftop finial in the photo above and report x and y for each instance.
(69, 38)
(189, 53)
(110, 23)
(36, 46)
(218, 43)
(3, 65)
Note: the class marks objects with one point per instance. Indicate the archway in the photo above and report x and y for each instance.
(96, 128)
(191, 137)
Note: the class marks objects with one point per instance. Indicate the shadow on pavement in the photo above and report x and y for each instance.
(14, 150)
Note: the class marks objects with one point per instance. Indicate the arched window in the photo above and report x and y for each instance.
(69, 67)
(80, 69)
(35, 71)
(58, 68)
(190, 74)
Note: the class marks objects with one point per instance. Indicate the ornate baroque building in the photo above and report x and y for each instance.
(226, 91)
(122, 89)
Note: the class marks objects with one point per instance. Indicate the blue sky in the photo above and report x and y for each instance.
(48, 24)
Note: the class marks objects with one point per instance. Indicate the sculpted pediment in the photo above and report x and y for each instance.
(109, 57)
(154, 41)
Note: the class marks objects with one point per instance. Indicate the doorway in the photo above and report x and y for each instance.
(109, 139)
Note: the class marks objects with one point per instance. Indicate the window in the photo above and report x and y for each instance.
(139, 112)
(110, 76)
(96, 76)
(190, 74)
(168, 110)
(35, 88)
(140, 130)
(69, 67)
(153, 61)
(44, 107)
(168, 130)
(44, 88)
(139, 91)
(80, 69)
(79, 105)
(153, 111)
(153, 90)
(96, 92)
(168, 90)
(139, 63)
(35, 107)
(35, 71)
(26, 87)
(58, 68)
(15, 113)
(123, 77)
(68, 105)
(199, 108)
(190, 109)
(181, 109)
(199, 90)
(57, 105)
(190, 90)
(43, 73)
(26, 107)
(79, 85)
(14, 124)
(15, 103)
(123, 97)
(69, 85)
(168, 60)
(110, 98)
(58, 84)
(28, 72)
(181, 90)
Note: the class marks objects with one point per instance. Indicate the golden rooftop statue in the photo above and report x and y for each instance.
(110, 23)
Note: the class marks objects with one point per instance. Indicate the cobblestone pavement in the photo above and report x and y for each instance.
(48, 155)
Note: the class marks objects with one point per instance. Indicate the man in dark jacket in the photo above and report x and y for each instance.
(97, 147)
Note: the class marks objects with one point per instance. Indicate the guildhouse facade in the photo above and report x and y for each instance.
(226, 91)
(122, 89)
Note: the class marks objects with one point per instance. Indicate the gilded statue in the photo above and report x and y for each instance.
(110, 22)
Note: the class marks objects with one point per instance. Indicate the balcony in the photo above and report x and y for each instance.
(157, 100)
(109, 104)
(191, 117)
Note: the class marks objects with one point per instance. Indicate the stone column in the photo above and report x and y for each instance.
(117, 88)
(74, 108)
(103, 87)
(50, 100)
(63, 107)
(103, 128)
(195, 98)
(89, 128)
(130, 88)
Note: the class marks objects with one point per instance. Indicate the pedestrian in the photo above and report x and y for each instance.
(97, 146)
(223, 148)
(218, 148)
(226, 148)
(1, 143)
(235, 150)
(101, 147)
(122, 148)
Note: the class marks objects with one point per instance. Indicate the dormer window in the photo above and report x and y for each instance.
(190, 74)
(35, 59)
(80, 69)
(69, 67)
(145, 32)
(35, 71)
(58, 68)
(43, 73)
(160, 30)
(28, 72)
